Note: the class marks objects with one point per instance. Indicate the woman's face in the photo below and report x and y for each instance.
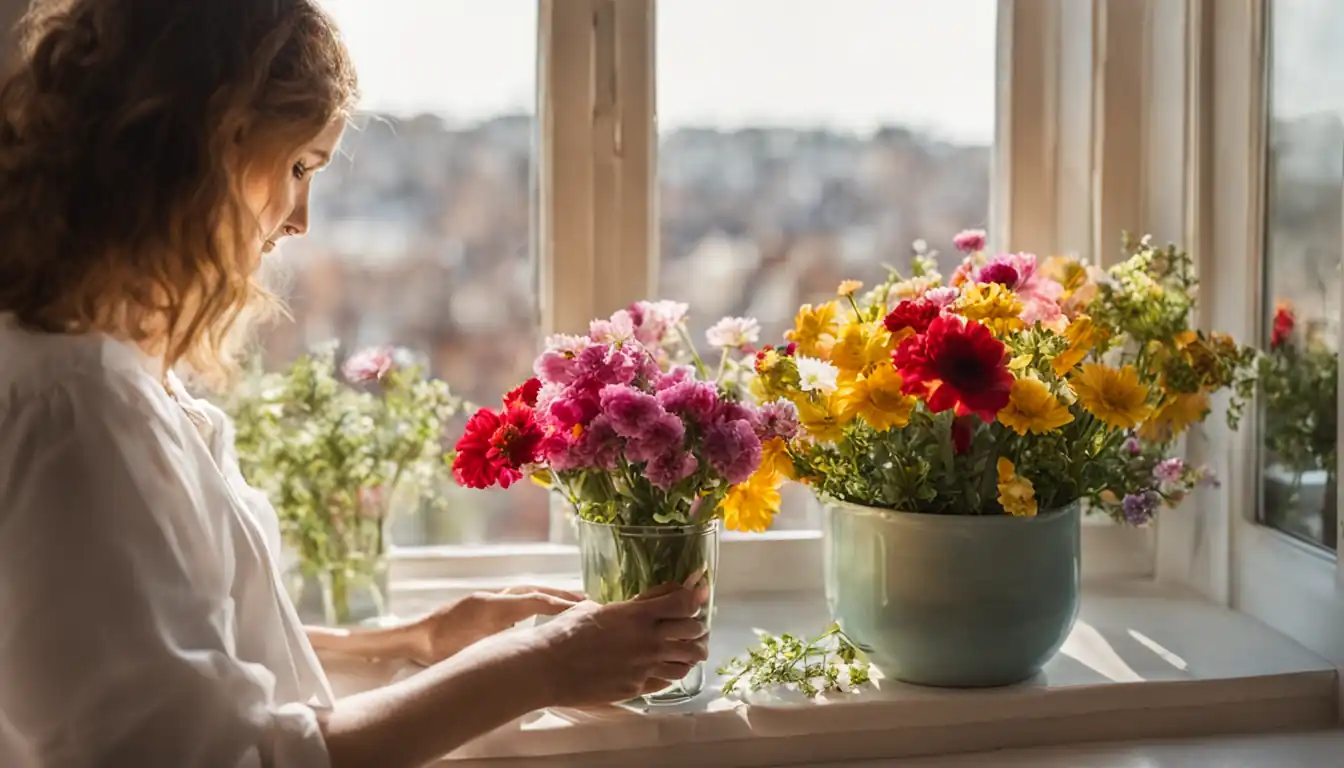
(281, 204)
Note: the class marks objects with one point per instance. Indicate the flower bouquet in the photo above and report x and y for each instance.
(334, 448)
(1299, 380)
(960, 426)
(650, 447)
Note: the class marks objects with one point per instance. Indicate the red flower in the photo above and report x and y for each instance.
(496, 447)
(963, 430)
(1003, 274)
(525, 393)
(1284, 321)
(956, 365)
(914, 314)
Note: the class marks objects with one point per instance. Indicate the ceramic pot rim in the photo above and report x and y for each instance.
(927, 518)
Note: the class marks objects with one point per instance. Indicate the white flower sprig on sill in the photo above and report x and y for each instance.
(828, 663)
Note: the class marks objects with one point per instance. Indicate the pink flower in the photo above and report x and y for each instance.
(368, 366)
(558, 363)
(1169, 470)
(942, 296)
(663, 435)
(695, 400)
(620, 328)
(970, 240)
(574, 407)
(598, 447)
(1131, 446)
(671, 468)
(733, 450)
(603, 364)
(673, 377)
(629, 410)
(656, 322)
(734, 333)
(734, 411)
(778, 418)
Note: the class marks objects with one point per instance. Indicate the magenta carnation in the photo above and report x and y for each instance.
(696, 400)
(558, 364)
(573, 407)
(970, 240)
(663, 435)
(669, 469)
(733, 449)
(778, 418)
(629, 410)
(597, 447)
(674, 376)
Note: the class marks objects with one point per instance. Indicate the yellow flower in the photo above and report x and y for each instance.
(993, 306)
(1082, 337)
(1017, 495)
(775, 454)
(820, 418)
(751, 507)
(877, 399)
(858, 348)
(1117, 397)
(848, 288)
(1174, 416)
(1033, 408)
(811, 326)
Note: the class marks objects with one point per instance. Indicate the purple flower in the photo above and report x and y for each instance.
(603, 364)
(1139, 507)
(696, 400)
(1169, 470)
(596, 447)
(778, 418)
(733, 449)
(368, 365)
(662, 435)
(629, 410)
(730, 410)
(970, 240)
(1131, 446)
(671, 468)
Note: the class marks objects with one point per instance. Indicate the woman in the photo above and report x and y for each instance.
(151, 151)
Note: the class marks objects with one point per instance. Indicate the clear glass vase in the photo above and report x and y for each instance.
(341, 597)
(620, 562)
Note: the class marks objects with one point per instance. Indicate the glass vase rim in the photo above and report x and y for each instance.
(708, 526)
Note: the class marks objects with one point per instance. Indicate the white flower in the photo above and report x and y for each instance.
(667, 312)
(816, 375)
(942, 296)
(620, 328)
(734, 332)
(914, 287)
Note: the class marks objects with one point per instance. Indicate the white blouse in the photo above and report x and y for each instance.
(142, 619)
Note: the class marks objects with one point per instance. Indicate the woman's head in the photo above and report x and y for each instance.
(150, 151)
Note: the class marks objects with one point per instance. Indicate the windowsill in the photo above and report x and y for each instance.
(1142, 662)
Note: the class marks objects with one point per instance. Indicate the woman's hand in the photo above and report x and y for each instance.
(599, 654)
(477, 616)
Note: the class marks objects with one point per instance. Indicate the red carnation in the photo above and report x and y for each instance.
(915, 314)
(496, 447)
(1002, 274)
(1284, 322)
(956, 365)
(525, 393)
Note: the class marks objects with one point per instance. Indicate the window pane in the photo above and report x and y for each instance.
(421, 231)
(818, 151)
(1305, 192)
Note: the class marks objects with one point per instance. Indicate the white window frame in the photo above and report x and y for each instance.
(1294, 587)
(1061, 72)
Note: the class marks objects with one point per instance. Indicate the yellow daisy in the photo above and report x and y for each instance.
(1033, 408)
(1082, 336)
(775, 454)
(877, 399)
(848, 288)
(820, 418)
(751, 507)
(993, 306)
(1017, 495)
(1116, 396)
(811, 326)
(858, 348)
(1174, 416)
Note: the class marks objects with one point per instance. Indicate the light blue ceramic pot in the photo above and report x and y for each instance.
(960, 601)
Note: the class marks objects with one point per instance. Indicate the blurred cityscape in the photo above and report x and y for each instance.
(421, 237)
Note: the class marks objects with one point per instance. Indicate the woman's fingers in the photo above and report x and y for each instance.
(667, 671)
(684, 651)
(682, 629)
(672, 602)
(563, 594)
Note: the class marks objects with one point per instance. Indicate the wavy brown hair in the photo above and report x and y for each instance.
(127, 129)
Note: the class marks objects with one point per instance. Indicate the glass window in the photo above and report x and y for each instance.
(1304, 235)
(421, 231)
(804, 142)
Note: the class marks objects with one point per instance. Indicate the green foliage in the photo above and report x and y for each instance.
(335, 457)
(1299, 385)
(828, 663)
